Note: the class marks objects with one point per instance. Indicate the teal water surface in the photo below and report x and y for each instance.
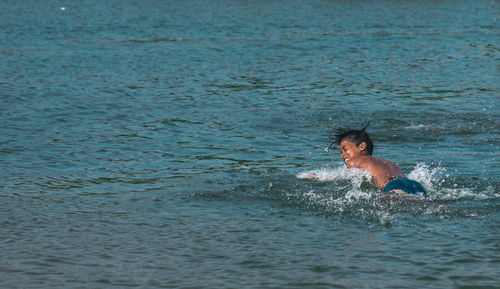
(163, 144)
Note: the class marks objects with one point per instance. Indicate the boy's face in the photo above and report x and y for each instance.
(350, 151)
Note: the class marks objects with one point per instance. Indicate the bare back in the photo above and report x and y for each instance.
(381, 170)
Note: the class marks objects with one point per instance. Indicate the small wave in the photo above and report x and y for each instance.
(420, 127)
(154, 40)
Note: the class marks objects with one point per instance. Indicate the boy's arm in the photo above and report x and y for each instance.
(312, 176)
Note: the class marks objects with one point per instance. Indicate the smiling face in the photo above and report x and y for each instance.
(350, 151)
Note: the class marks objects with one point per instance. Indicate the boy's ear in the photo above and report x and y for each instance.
(362, 146)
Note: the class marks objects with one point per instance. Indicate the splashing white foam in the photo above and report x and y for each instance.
(356, 176)
(435, 180)
(350, 195)
(428, 177)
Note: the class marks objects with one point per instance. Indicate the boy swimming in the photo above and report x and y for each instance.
(356, 149)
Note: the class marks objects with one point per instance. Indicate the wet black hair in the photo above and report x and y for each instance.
(353, 135)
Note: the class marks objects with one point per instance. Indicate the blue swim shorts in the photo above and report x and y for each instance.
(406, 185)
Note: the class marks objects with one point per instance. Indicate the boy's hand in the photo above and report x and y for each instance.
(312, 176)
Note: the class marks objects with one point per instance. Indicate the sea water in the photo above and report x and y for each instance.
(164, 144)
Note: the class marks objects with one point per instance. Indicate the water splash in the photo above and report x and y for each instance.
(439, 185)
(351, 192)
(356, 176)
(427, 176)
(436, 180)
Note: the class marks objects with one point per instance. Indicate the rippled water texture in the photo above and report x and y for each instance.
(164, 144)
